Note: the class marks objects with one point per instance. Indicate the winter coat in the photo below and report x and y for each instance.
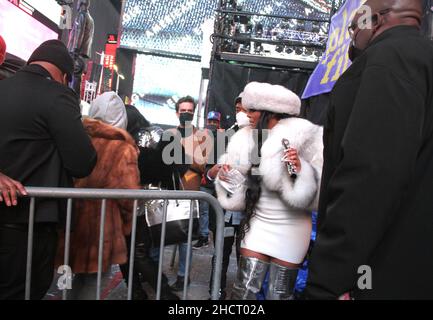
(116, 169)
(149, 139)
(197, 146)
(301, 193)
(376, 207)
(42, 140)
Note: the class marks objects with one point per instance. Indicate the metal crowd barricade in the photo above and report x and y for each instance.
(104, 194)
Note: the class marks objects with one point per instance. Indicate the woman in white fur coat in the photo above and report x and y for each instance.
(276, 231)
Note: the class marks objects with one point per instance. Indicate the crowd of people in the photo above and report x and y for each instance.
(367, 172)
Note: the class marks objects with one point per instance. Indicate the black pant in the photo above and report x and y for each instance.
(13, 260)
(227, 251)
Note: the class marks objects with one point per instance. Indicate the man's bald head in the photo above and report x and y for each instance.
(382, 15)
(403, 12)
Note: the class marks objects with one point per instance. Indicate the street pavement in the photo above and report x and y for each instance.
(114, 288)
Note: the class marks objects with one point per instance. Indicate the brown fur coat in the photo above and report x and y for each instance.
(116, 168)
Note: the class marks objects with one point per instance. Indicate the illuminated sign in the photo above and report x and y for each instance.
(110, 51)
(112, 39)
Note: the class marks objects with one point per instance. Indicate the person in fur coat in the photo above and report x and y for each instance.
(116, 168)
(276, 231)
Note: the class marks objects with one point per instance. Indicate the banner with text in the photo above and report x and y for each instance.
(335, 60)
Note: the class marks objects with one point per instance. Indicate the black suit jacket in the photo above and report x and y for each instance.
(42, 139)
(376, 203)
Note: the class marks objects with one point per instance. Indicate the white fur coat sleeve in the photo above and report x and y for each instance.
(302, 192)
(238, 157)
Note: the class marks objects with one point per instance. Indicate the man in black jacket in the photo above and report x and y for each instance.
(8, 187)
(42, 143)
(375, 237)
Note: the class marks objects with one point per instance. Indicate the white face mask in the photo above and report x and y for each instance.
(242, 119)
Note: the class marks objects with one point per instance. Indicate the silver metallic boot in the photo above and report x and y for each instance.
(282, 281)
(249, 278)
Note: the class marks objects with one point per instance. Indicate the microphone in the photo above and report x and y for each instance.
(234, 127)
(290, 168)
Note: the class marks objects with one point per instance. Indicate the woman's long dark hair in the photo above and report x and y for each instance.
(254, 189)
(136, 121)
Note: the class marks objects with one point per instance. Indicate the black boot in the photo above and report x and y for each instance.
(179, 284)
(144, 266)
(167, 294)
(149, 273)
(138, 292)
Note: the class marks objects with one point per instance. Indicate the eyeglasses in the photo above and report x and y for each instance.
(353, 26)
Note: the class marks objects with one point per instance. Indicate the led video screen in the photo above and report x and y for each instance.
(22, 33)
(48, 8)
(160, 82)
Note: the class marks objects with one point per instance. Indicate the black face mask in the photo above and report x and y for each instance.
(354, 52)
(185, 117)
(212, 127)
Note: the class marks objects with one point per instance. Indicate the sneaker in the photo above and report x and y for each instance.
(201, 243)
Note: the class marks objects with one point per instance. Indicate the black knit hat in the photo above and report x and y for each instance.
(55, 52)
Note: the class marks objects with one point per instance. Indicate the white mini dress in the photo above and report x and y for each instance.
(277, 230)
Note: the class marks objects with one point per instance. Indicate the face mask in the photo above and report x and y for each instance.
(354, 52)
(185, 117)
(242, 119)
(212, 127)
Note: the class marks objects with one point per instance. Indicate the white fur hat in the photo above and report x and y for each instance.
(275, 98)
(109, 108)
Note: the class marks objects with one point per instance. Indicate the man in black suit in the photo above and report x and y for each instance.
(42, 143)
(375, 235)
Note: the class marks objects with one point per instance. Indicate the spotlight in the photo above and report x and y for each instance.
(289, 50)
(279, 48)
(298, 51)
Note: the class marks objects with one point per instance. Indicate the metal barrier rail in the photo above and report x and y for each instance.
(104, 194)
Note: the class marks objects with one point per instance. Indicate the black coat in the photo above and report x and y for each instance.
(376, 203)
(42, 139)
(153, 169)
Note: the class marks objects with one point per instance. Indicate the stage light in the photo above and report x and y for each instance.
(177, 18)
(299, 51)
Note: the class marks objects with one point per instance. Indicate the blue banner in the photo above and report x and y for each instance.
(335, 60)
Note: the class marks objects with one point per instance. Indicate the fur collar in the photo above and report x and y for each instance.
(303, 136)
(99, 129)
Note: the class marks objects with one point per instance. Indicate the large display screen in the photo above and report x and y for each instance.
(22, 33)
(160, 82)
(48, 8)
